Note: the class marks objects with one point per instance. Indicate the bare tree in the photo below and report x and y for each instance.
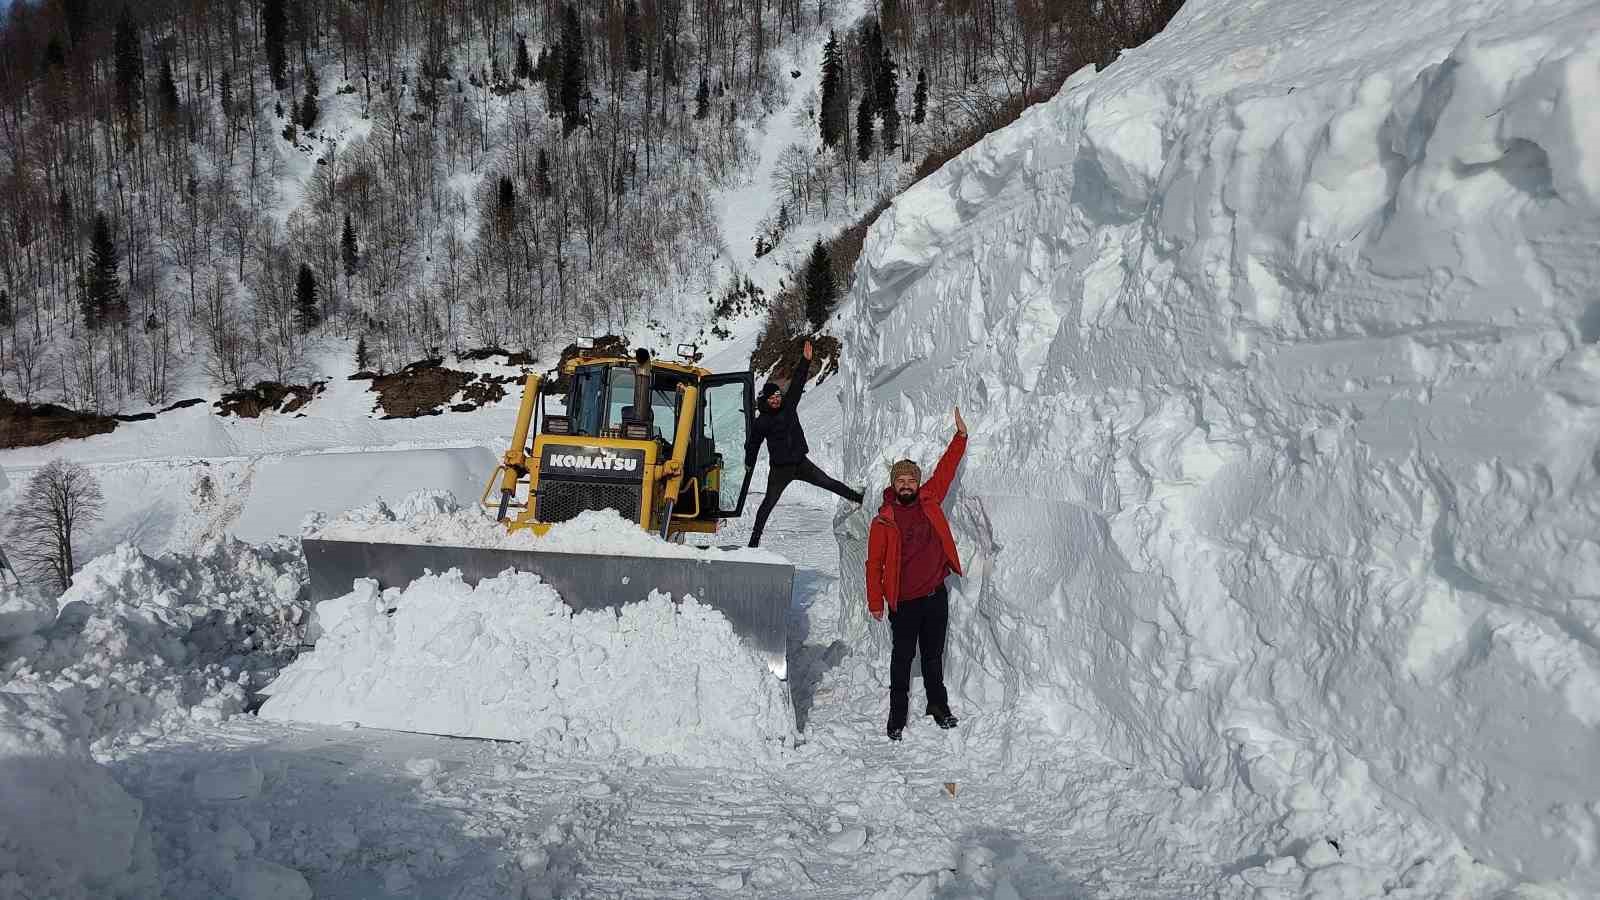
(57, 503)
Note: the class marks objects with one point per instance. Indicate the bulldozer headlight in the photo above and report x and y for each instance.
(557, 425)
(636, 431)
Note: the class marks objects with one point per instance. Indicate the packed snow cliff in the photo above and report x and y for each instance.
(1277, 340)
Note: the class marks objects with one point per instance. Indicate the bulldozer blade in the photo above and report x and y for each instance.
(754, 597)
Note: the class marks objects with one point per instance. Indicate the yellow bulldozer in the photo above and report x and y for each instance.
(662, 443)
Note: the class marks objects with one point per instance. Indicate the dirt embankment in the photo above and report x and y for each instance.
(36, 424)
(426, 388)
(268, 396)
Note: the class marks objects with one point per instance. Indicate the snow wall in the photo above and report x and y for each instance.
(1277, 342)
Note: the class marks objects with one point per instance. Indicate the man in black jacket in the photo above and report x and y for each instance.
(779, 425)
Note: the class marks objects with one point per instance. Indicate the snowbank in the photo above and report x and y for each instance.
(67, 829)
(284, 490)
(22, 610)
(1278, 344)
(142, 642)
(435, 517)
(509, 660)
(139, 646)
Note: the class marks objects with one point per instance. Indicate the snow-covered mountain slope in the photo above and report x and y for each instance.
(1277, 340)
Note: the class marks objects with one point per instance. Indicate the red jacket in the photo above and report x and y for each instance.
(883, 541)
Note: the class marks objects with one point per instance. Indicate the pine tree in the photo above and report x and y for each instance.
(886, 84)
(168, 89)
(574, 78)
(129, 64)
(891, 130)
(919, 109)
(306, 313)
(54, 56)
(308, 106)
(348, 248)
(102, 297)
(669, 63)
(505, 212)
(871, 58)
(69, 221)
(274, 33)
(702, 98)
(820, 290)
(864, 129)
(834, 102)
(542, 185)
(76, 13)
(523, 71)
(8, 316)
(361, 353)
(227, 95)
(633, 30)
(552, 80)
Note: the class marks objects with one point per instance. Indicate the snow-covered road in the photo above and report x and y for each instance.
(366, 813)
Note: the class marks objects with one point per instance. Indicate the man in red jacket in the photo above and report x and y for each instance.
(910, 551)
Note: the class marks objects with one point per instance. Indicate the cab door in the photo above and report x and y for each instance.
(727, 410)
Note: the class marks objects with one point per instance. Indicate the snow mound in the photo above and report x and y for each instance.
(507, 659)
(283, 489)
(67, 829)
(436, 517)
(1278, 341)
(22, 610)
(141, 642)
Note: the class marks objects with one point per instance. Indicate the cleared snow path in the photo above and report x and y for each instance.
(364, 813)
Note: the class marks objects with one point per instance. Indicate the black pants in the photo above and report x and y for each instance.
(918, 627)
(778, 479)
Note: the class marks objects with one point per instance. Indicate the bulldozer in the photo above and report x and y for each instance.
(659, 441)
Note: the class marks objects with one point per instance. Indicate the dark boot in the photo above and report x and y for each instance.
(895, 733)
(942, 716)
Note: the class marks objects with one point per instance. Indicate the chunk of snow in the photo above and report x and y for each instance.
(850, 840)
(235, 779)
(22, 610)
(258, 879)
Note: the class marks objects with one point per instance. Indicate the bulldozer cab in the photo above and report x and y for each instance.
(606, 402)
(660, 442)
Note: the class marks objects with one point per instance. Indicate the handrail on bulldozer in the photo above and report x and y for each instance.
(680, 455)
(515, 461)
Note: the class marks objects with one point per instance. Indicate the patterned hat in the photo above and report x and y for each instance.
(905, 467)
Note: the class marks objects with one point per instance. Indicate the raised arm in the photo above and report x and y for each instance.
(797, 382)
(943, 474)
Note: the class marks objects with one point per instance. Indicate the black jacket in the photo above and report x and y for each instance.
(780, 428)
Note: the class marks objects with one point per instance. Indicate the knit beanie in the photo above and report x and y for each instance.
(905, 467)
(768, 389)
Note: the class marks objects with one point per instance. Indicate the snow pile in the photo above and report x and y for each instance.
(509, 660)
(67, 829)
(282, 490)
(139, 640)
(435, 517)
(22, 610)
(1278, 343)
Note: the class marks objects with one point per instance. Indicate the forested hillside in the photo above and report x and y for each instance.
(208, 192)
